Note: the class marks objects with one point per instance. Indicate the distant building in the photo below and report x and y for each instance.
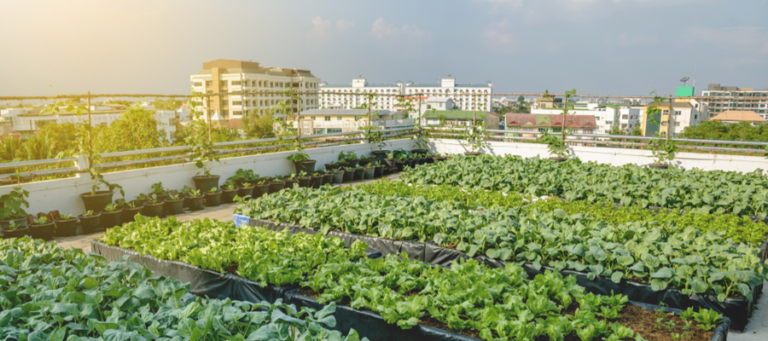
(577, 124)
(225, 75)
(737, 116)
(687, 112)
(464, 96)
(735, 98)
(461, 118)
(327, 121)
(352, 96)
(607, 116)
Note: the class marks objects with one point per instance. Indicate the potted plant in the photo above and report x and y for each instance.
(11, 210)
(363, 161)
(195, 199)
(66, 225)
(412, 162)
(349, 174)
(368, 171)
(14, 231)
(302, 162)
(375, 135)
(261, 189)
(228, 192)
(304, 179)
(347, 159)
(327, 178)
(152, 207)
(42, 228)
(276, 185)
(333, 165)
(317, 180)
(110, 217)
(213, 197)
(390, 160)
(140, 200)
(474, 138)
(558, 150)
(338, 176)
(160, 191)
(89, 221)
(402, 162)
(173, 205)
(663, 150)
(96, 200)
(130, 210)
(245, 189)
(291, 181)
(243, 175)
(379, 170)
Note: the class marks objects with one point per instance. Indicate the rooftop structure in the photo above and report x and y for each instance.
(735, 98)
(736, 116)
(465, 96)
(350, 96)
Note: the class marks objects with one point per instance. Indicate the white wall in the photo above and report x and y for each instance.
(63, 194)
(614, 156)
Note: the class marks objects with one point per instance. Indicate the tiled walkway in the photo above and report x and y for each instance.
(757, 329)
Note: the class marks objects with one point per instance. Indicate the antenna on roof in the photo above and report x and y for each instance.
(685, 80)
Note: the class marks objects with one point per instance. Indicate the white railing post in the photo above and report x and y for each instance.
(82, 163)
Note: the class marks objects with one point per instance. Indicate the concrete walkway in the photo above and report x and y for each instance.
(757, 329)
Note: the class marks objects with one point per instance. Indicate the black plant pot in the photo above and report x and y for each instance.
(380, 154)
(245, 191)
(472, 153)
(66, 228)
(358, 174)
(307, 166)
(17, 233)
(205, 183)
(365, 162)
(152, 210)
(658, 166)
(4, 224)
(195, 203)
(338, 177)
(110, 219)
(173, 207)
(421, 161)
(276, 186)
(390, 162)
(368, 172)
(349, 175)
(304, 182)
(42, 231)
(327, 179)
(213, 199)
(332, 166)
(412, 163)
(351, 163)
(97, 201)
(228, 196)
(316, 181)
(419, 151)
(90, 223)
(401, 166)
(379, 171)
(289, 183)
(129, 214)
(260, 190)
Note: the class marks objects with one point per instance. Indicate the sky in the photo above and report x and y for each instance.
(599, 47)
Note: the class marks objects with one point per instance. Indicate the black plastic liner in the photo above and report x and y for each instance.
(372, 325)
(738, 310)
(202, 282)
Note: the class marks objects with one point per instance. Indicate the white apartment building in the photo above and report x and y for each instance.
(687, 112)
(607, 115)
(354, 95)
(327, 121)
(464, 96)
(735, 98)
(264, 88)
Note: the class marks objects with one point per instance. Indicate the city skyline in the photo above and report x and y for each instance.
(520, 46)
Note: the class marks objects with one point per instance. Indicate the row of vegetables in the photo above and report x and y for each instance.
(661, 253)
(467, 297)
(629, 185)
(49, 293)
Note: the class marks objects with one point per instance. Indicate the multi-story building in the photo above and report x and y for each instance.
(582, 124)
(607, 116)
(465, 96)
(248, 86)
(458, 118)
(355, 95)
(738, 116)
(687, 112)
(735, 98)
(327, 121)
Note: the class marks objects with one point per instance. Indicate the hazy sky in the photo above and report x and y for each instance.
(596, 46)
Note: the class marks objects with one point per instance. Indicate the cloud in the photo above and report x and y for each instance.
(625, 40)
(500, 37)
(320, 29)
(389, 33)
(344, 25)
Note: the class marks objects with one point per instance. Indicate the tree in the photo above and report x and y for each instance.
(136, 129)
(637, 131)
(255, 125)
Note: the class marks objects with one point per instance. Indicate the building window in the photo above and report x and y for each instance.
(237, 102)
(198, 83)
(338, 118)
(678, 112)
(357, 118)
(312, 118)
(209, 83)
(327, 118)
(225, 112)
(237, 113)
(223, 83)
(677, 124)
(334, 130)
(224, 102)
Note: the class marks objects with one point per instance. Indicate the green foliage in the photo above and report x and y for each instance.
(203, 151)
(474, 137)
(11, 204)
(298, 157)
(347, 156)
(258, 126)
(717, 130)
(631, 185)
(40, 221)
(111, 207)
(663, 150)
(707, 319)
(84, 297)
(98, 181)
(556, 145)
(276, 258)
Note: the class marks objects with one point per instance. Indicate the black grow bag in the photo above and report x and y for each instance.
(372, 325)
(201, 282)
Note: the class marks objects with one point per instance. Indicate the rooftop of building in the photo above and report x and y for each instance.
(546, 121)
(457, 114)
(239, 66)
(738, 115)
